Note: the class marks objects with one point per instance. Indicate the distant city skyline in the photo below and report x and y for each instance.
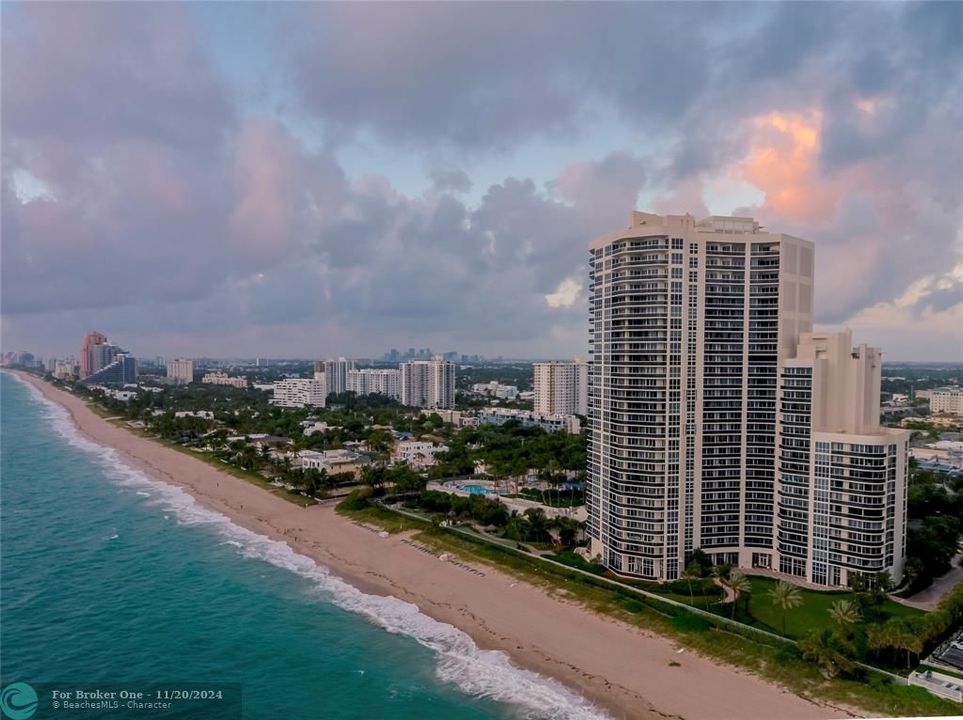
(315, 180)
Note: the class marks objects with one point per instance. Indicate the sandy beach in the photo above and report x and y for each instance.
(622, 669)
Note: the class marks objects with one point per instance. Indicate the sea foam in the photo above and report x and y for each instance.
(479, 673)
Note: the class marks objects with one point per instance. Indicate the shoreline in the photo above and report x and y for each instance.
(621, 668)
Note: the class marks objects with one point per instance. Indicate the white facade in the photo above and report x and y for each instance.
(63, 370)
(181, 371)
(417, 454)
(561, 387)
(527, 418)
(721, 422)
(428, 383)
(496, 390)
(369, 381)
(689, 322)
(335, 374)
(841, 477)
(948, 401)
(219, 378)
(299, 392)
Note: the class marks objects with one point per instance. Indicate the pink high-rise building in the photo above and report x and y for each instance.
(86, 352)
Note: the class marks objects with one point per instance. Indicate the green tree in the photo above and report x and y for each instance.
(375, 477)
(829, 651)
(567, 531)
(705, 562)
(741, 587)
(537, 524)
(379, 443)
(844, 613)
(785, 596)
(692, 570)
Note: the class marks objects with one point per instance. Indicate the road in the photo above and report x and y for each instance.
(929, 598)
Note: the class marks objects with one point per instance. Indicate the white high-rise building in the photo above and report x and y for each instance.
(370, 381)
(181, 371)
(691, 326)
(841, 477)
(335, 373)
(561, 387)
(428, 383)
(300, 392)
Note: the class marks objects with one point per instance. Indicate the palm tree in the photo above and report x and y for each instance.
(844, 613)
(740, 585)
(829, 651)
(692, 570)
(379, 443)
(537, 523)
(787, 597)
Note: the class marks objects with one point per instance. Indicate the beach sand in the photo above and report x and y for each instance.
(619, 667)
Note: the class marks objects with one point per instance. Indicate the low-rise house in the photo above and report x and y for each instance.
(311, 427)
(417, 454)
(262, 440)
(333, 462)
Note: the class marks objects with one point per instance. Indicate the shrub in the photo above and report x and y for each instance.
(687, 622)
(632, 606)
(357, 500)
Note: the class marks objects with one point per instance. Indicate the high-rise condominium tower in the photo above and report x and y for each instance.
(91, 340)
(561, 387)
(370, 381)
(335, 374)
(691, 325)
(428, 383)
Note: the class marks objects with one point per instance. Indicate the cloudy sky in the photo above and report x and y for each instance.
(303, 180)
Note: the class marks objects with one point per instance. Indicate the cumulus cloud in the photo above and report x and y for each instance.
(566, 294)
(140, 191)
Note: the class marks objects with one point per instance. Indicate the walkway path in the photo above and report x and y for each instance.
(929, 598)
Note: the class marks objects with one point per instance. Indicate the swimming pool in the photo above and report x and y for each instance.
(476, 490)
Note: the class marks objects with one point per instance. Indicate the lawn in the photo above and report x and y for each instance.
(812, 613)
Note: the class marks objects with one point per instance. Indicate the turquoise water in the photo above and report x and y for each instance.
(477, 490)
(109, 576)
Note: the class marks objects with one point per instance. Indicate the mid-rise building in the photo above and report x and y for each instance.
(527, 418)
(946, 401)
(299, 392)
(180, 371)
(417, 454)
(428, 383)
(121, 370)
(840, 477)
(64, 370)
(692, 325)
(370, 381)
(561, 387)
(102, 355)
(220, 378)
(495, 389)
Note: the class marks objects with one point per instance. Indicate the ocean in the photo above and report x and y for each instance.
(110, 577)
